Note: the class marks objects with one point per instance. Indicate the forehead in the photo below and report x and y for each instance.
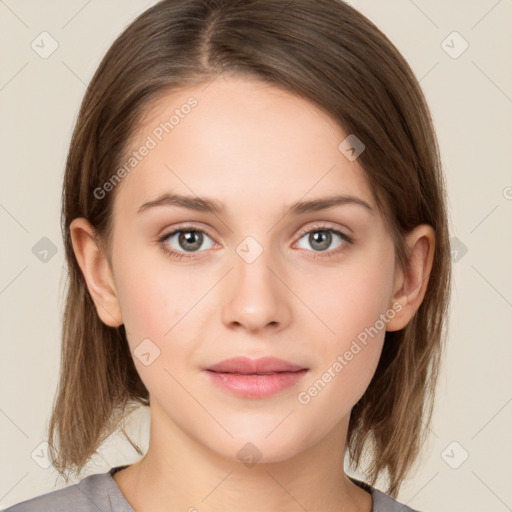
(243, 141)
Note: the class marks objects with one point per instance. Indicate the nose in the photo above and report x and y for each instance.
(256, 297)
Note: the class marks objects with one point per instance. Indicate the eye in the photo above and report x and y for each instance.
(189, 239)
(183, 240)
(321, 238)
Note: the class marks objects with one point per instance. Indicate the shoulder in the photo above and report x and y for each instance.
(384, 503)
(95, 493)
(381, 501)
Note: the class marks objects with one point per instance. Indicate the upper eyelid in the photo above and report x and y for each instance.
(185, 227)
(321, 227)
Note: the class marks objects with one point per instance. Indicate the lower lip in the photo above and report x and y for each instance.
(256, 386)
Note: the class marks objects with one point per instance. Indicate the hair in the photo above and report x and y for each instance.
(330, 54)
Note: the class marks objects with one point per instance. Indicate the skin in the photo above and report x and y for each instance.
(255, 148)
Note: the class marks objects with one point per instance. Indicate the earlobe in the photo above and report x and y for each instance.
(411, 283)
(96, 271)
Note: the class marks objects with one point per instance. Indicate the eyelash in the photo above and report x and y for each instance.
(316, 254)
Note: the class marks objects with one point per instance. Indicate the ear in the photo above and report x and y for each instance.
(411, 284)
(96, 270)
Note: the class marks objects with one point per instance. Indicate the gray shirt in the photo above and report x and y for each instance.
(99, 493)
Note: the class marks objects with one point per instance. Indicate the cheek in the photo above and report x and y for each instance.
(153, 298)
(160, 311)
(155, 314)
(351, 298)
(351, 335)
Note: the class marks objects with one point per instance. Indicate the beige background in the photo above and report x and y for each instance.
(471, 101)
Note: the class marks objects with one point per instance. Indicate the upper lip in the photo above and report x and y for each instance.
(246, 365)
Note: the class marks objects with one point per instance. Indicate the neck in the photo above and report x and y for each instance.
(178, 473)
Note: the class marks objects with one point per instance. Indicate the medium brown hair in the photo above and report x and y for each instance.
(328, 53)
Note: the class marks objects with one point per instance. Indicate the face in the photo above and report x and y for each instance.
(255, 277)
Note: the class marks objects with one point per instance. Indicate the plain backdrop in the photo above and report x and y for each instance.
(461, 53)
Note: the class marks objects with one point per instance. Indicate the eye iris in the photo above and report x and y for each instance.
(190, 237)
(322, 237)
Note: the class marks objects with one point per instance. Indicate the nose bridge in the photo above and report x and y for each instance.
(256, 297)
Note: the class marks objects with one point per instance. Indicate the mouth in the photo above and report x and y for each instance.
(261, 366)
(255, 378)
(256, 373)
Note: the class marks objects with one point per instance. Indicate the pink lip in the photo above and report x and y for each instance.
(255, 378)
(252, 366)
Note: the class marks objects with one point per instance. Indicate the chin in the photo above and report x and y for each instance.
(257, 447)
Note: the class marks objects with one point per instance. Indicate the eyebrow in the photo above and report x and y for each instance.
(203, 204)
